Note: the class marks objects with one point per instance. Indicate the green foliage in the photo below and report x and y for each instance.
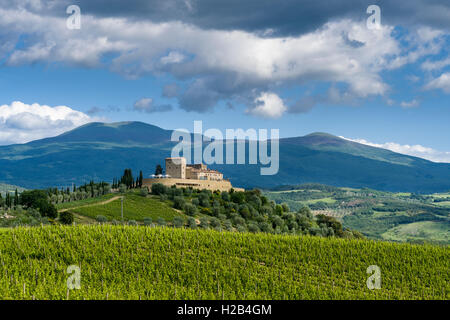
(132, 223)
(143, 192)
(66, 217)
(148, 221)
(178, 222)
(158, 170)
(122, 188)
(158, 188)
(190, 209)
(101, 219)
(123, 262)
(178, 202)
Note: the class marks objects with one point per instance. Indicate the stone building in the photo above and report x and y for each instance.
(197, 176)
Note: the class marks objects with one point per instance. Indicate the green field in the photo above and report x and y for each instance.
(88, 201)
(399, 216)
(136, 262)
(135, 207)
(426, 230)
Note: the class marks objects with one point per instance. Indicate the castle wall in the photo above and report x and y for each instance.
(223, 185)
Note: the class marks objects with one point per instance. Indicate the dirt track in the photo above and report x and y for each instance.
(93, 204)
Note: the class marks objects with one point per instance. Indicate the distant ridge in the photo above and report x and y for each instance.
(137, 132)
(100, 151)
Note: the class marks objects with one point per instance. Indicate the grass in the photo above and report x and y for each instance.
(68, 205)
(135, 207)
(136, 262)
(325, 200)
(425, 230)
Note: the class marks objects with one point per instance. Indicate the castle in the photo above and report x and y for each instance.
(197, 176)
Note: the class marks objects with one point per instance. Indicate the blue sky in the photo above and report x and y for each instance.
(387, 87)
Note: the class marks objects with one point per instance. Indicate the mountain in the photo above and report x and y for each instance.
(7, 188)
(100, 151)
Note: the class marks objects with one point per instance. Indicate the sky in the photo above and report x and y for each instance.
(297, 66)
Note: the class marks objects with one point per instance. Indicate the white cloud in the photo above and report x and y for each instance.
(341, 51)
(268, 105)
(442, 82)
(412, 150)
(20, 122)
(410, 104)
(435, 65)
(326, 54)
(148, 105)
(173, 57)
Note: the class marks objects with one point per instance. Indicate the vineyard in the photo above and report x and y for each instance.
(129, 262)
(135, 208)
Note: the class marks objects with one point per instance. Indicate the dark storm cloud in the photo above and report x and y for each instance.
(284, 17)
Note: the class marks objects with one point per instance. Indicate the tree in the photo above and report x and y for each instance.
(178, 203)
(66, 217)
(178, 222)
(31, 198)
(141, 179)
(122, 188)
(192, 223)
(158, 188)
(127, 178)
(8, 200)
(190, 209)
(158, 170)
(47, 209)
(16, 198)
(331, 222)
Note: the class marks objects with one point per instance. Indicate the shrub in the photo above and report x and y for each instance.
(148, 221)
(47, 209)
(178, 202)
(122, 188)
(192, 223)
(101, 219)
(190, 209)
(161, 221)
(238, 197)
(132, 223)
(215, 222)
(143, 192)
(252, 227)
(178, 222)
(206, 211)
(66, 217)
(225, 196)
(204, 200)
(158, 189)
(204, 223)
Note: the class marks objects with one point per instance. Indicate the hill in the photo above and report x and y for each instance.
(377, 214)
(4, 188)
(100, 151)
(126, 262)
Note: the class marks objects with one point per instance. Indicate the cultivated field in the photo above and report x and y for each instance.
(136, 262)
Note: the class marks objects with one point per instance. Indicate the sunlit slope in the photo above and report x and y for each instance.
(120, 262)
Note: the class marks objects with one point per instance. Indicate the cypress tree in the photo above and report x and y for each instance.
(16, 198)
(141, 179)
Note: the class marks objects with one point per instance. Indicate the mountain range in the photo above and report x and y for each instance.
(101, 151)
